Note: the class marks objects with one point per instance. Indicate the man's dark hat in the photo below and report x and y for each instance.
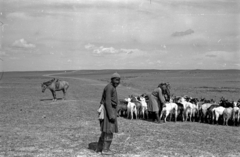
(115, 75)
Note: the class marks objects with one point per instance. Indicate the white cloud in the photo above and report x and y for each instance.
(105, 50)
(222, 55)
(20, 15)
(89, 47)
(23, 44)
(108, 50)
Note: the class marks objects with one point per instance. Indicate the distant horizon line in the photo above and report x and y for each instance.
(122, 69)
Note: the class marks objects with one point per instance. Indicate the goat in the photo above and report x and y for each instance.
(131, 108)
(168, 108)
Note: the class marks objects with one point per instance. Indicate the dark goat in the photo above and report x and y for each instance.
(122, 108)
(225, 103)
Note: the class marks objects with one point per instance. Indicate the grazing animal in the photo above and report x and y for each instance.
(143, 107)
(238, 103)
(209, 113)
(203, 112)
(236, 114)
(131, 108)
(217, 112)
(194, 113)
(238, 117)
(188, 108)
(168, 108)
(227, 115)
(225, 103)
(55, 85)
(180, 111)
(199, 106)
(122, 108)
(188, 114)
(235, 103)
(136, 101)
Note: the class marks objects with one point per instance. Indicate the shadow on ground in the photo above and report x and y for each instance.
(92, 146)
(51, 99)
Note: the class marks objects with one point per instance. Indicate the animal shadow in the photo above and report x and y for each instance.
(92, 146)
(50, 99)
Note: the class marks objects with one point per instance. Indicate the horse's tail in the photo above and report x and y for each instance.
(67, 84)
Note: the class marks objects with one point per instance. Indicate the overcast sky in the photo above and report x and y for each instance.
(119, 34)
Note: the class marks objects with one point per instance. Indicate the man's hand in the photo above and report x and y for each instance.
(112, 120)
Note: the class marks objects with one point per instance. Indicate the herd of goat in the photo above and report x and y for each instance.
(183, 108)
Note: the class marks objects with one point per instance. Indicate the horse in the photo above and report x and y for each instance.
(55, 85)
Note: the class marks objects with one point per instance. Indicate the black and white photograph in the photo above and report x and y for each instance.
(121, 78)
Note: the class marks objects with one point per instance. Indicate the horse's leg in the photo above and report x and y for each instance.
(64, 93)
(54, 95)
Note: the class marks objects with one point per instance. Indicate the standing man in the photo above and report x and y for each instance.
(109, 125)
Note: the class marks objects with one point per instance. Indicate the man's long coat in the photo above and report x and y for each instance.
(110, 102)
(156, 100)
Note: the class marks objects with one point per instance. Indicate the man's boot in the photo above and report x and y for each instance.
(157, 117)
(100, 143)
(107, 143)
(106, 150)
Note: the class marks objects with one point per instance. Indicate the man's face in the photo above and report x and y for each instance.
(115, 82)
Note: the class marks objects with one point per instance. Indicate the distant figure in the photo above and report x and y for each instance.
(108, 125)
(157, 99)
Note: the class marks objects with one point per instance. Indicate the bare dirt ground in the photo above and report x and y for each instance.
(31, 125)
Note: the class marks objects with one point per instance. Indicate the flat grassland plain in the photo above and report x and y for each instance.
(31, 124)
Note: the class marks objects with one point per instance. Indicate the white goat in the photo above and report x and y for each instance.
(218, 111)
(189, 108)
(131, 108)
(167, 109)
(143, 106)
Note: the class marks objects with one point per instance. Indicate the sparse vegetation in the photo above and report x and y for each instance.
(31, 125)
